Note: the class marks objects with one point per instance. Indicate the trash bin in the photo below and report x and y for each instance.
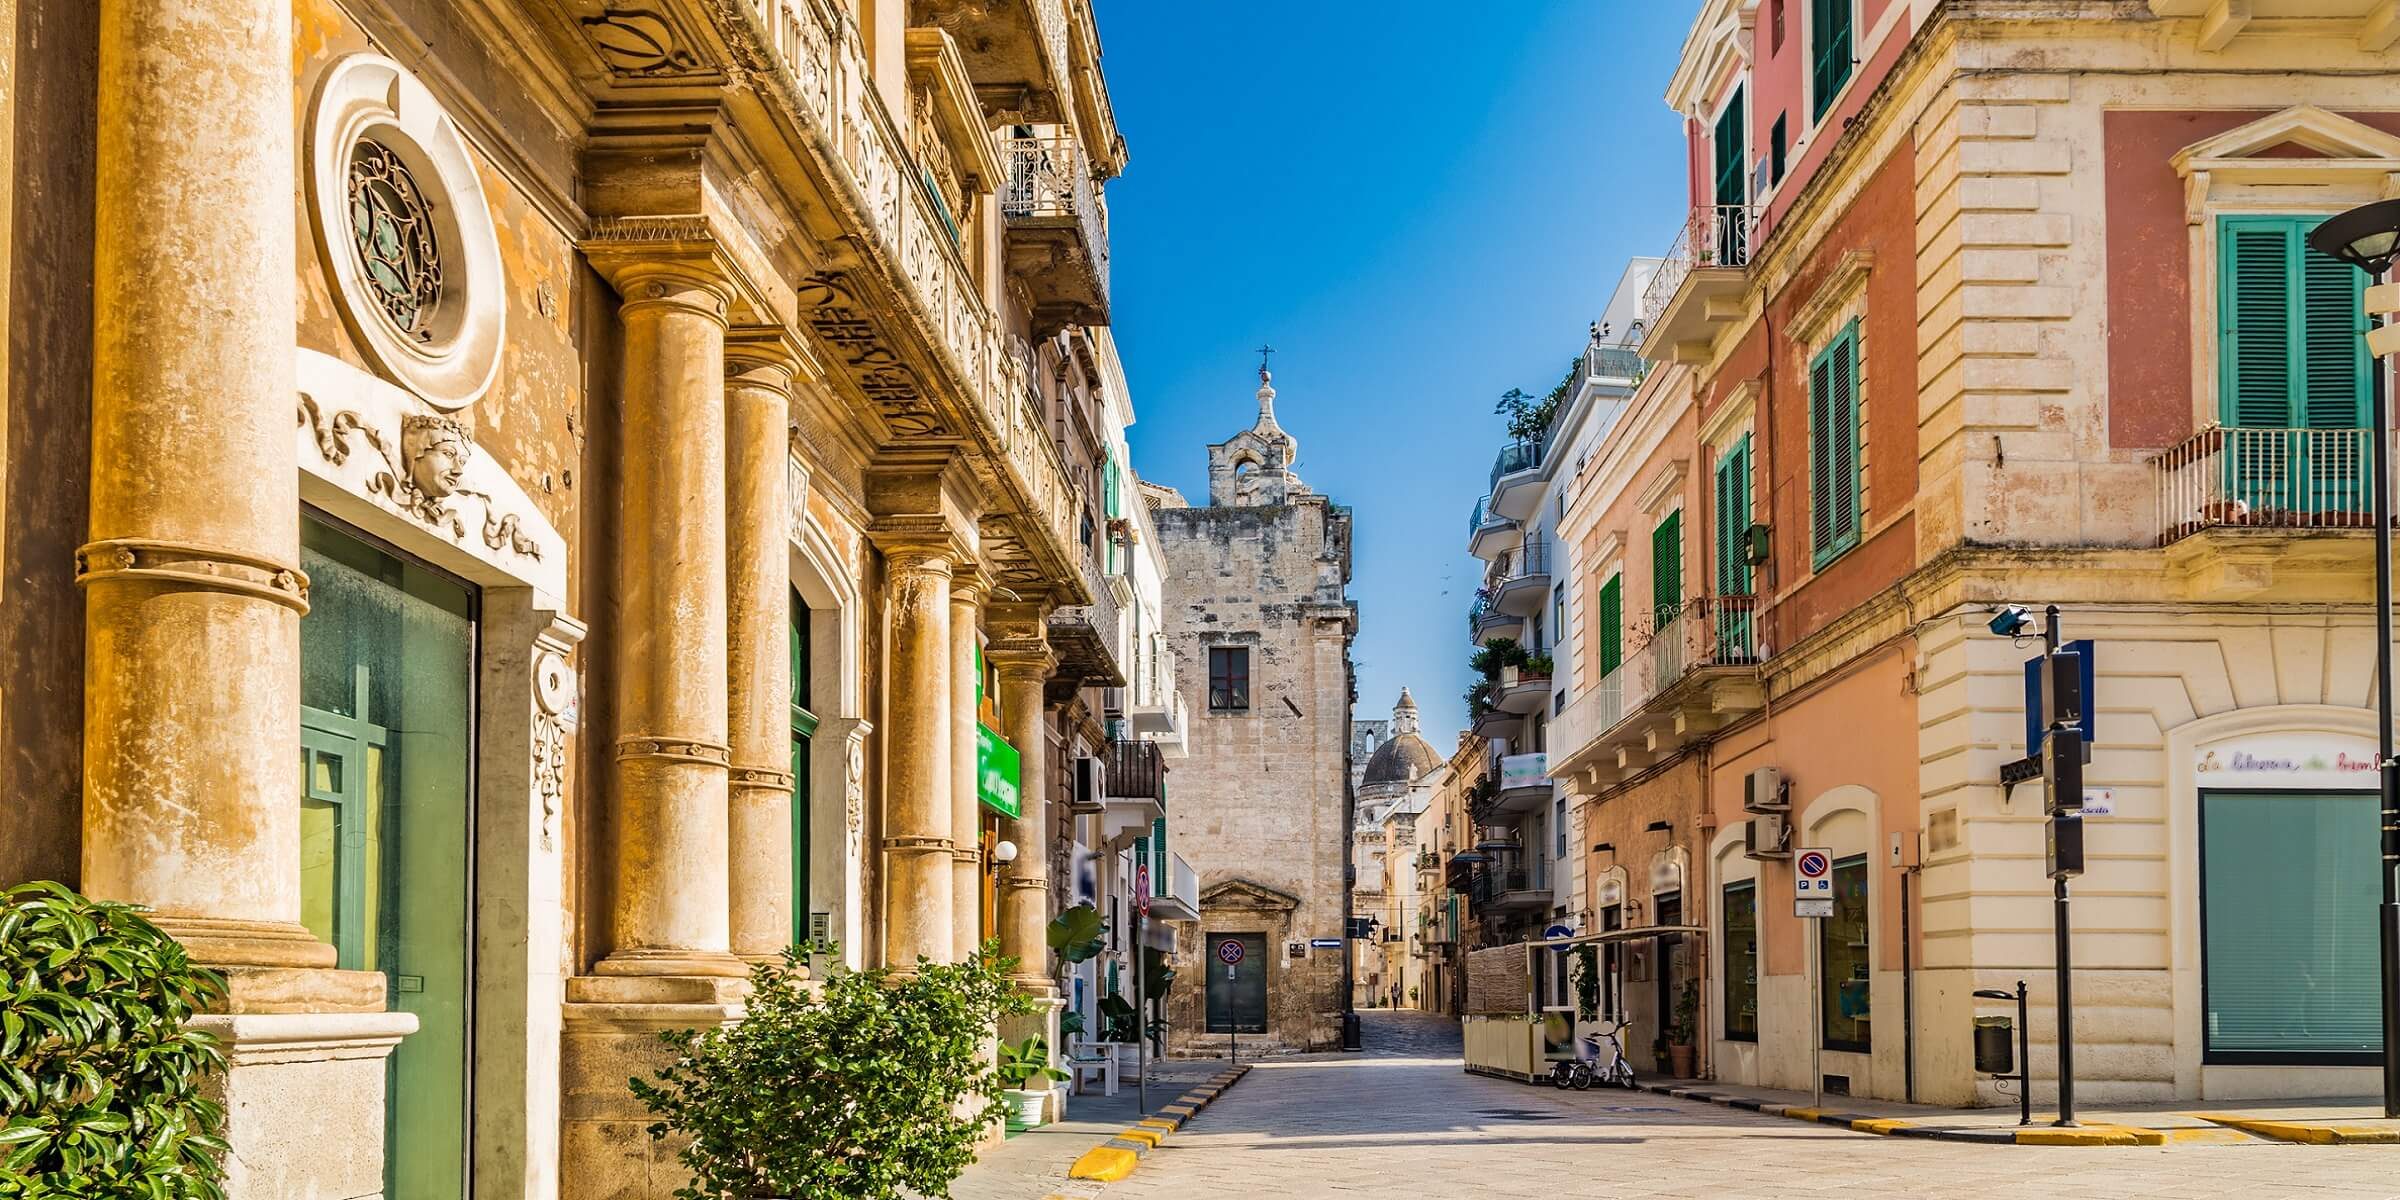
(1995, 1046)
(1350, 1032)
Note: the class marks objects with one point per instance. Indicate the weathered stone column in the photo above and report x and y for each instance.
(966, 819)
(672, 904)
(193, 591)
(192, 582)
(759, 368)
(1024, 661)
(917, 781)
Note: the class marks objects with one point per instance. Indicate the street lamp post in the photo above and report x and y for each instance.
(2368, 237)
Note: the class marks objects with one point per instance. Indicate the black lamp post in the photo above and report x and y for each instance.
(2368, 237)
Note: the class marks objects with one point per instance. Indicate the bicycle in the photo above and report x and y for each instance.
(1581, 1072)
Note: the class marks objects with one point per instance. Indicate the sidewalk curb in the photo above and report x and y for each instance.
(1116, 1158)
(2306, 1132)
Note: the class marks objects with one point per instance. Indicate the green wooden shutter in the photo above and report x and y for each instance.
(1666, 566)
(1833, 412)
(1830, 53)
(1612, 625)
(1728, 139)
(2291, 323)
(1733, 519)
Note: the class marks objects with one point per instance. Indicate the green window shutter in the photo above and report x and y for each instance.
(2333, 347)
(1666, 566)
(1833, 452)
(1728, 141)
(1612, 625)
(1830, 53)
(1733, 519)
(2290, 349)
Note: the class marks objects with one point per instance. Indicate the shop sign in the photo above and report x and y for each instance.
(2317, 760)
(1666, 875)
(1524, 771)
(997, 767)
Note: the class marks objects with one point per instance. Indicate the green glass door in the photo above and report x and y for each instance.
(804, 726)
(387, 656)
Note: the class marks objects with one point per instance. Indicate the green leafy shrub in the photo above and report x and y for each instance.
(847, 1090)
(100, 1074)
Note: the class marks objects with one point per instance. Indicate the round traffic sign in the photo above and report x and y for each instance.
(1813, 864)
(1229, 952)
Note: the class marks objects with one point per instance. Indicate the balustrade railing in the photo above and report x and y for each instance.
(1049, 176)
(1515, 457)
(2265, 478)
(824, 65)
(1716, 235)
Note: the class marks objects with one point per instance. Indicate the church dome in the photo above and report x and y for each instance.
(1406, 756)
(1401, 760)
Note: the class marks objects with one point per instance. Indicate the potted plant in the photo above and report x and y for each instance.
(1683, 1030)
(866, 1085)
(1020, 1065)
(1078, 934)
(1540, 666)
(103, 1079)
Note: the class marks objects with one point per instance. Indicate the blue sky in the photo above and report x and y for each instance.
(1419, 205)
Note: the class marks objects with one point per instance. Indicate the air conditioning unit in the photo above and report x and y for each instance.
(1763, 791)
(1767, 835)
(1088, 783)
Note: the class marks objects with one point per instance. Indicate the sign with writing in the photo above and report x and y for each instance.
(1524, 770)
(1666, 875)
(2099, 802)
(1229, 951)
(997, 768)
(1812, 883)
(2314, 760)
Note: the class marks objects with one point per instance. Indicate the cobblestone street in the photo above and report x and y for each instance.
(1403, 1119)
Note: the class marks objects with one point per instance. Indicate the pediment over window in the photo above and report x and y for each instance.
(2302, 156)
(1241, 893)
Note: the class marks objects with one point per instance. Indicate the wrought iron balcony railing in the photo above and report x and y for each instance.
(1051, 177)
(1134, 771)
(1717, 235)
(2265, 478)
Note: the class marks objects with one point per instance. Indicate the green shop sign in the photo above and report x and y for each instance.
(996, 770)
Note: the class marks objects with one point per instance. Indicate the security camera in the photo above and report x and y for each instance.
(2016, 620)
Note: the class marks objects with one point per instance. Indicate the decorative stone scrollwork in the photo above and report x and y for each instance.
(553, 701)
(879, 374)
(762, 777)
(404, 232)
(640, 42)
(424, 462)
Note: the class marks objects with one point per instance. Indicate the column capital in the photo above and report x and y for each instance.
(662, 262)
(765, 356)
(970, 583)
(919, 544)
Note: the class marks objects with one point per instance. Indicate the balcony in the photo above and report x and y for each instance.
(1525, 784)
(1507, 884)
(1613, 365)
(1519, 581)
(1697, 291)
(1015, 51)
(2267, 513)
(1521, 690)
(1086, 638)
(1133, 788)
(1485, 622)
(1057, 231)
(1174, 892)
(1489, 533)
(1691, 673)
(1517, 480)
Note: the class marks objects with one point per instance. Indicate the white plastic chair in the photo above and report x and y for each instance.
(1097, 1058)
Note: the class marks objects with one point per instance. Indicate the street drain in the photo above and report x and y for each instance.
(1516, 1114)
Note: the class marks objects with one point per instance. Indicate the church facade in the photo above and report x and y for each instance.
(1261, 617)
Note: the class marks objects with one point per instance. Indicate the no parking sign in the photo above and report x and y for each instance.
(1812, 882)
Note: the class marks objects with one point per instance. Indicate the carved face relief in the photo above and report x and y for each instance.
(435, 452)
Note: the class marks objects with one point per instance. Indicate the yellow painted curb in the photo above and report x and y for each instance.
(1161, 1124)
(1803, 1114)
(1108, 1164)
(1882, 1125)
(2313, 1133)
(2097, 1135)
(1148, 1137)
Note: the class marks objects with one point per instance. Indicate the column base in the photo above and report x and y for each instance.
(609, 1036)
(223, 942)
(640, 964)
(303, 1096)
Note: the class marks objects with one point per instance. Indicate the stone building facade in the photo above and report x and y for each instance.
(1983, 303)
(621, 453)
(1396, 786)
(1259, 614)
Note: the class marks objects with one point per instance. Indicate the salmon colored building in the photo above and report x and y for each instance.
(1977, 305)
